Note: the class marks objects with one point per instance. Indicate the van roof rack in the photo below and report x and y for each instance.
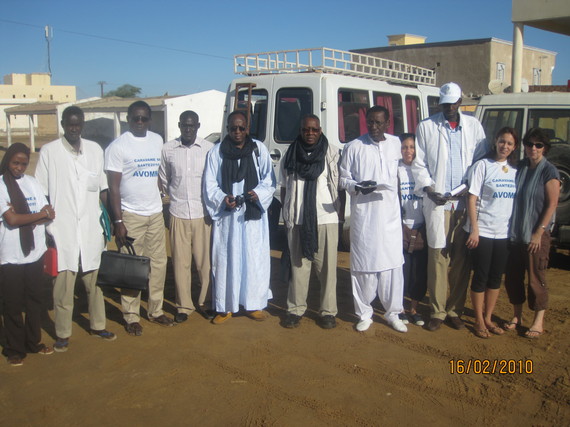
(332, 61)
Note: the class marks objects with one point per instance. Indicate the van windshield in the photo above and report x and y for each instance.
(258, 111)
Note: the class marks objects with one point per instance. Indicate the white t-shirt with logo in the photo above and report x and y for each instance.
(494, 184)
(138, 159)
(412, 215)
(10, 247)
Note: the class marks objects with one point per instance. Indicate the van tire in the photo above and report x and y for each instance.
(559, 156)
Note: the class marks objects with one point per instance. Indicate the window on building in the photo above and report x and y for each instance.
(352, 106)
(500, 71)
(393, 103)
(536, 72)
(291, 105)
(258, 111)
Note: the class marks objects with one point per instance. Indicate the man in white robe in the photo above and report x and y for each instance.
(368, 172)
(70, 170)
(238, 189)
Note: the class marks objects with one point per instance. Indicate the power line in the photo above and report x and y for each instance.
(191, 52)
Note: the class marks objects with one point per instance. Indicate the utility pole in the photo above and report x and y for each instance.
(49, 35)
(101, 83)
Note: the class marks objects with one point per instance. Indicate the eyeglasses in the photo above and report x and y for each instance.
(313, 130)
(143, 119)
(374, 122)
(236, 128)
(538, 145)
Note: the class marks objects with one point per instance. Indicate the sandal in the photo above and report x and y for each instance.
(45, 350)
(511, 326)
(532, 334)
(482, 333)
(134, 329)
(496, 330)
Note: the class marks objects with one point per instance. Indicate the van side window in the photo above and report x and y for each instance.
(352, 106)
(290, 105)
(393, 102)
(257, 110)
(556, 123)
(433, 105)
(412, 112)
(495, 119)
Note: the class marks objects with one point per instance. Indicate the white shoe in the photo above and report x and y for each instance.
(363, 325)
(398, 325)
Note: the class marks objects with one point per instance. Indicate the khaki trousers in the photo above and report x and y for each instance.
(150, 241)
(449, 267)
(325, 264)
(63, 296)
(190, 238)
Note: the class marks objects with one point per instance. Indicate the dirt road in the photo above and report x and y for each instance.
(258, 373)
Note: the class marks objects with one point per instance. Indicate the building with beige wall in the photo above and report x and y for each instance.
(472, 63)
(21, 89)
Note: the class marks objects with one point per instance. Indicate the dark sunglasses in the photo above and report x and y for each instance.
(538, 145)
(137, 119)
(235, 128)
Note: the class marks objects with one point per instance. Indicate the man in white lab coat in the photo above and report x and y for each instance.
(369, 172)
(70, 170)
(447, 144)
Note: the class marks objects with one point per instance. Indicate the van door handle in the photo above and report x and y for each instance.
(275, 155)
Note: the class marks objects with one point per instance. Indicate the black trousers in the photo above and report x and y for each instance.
(415, 274)
(489, 260)
(22, 291)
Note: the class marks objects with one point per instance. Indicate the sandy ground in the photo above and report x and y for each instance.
(259, 373)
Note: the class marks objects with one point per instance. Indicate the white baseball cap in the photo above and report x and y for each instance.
(449, 93)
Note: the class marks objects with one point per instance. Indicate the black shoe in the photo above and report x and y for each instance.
(291, 321)
(327, 322)
(180, 317)
(207, 313)
(455, 322)
(434, 324)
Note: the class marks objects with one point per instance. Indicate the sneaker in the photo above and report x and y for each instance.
(327, 322)
(104, 334)
(398, 325)
(363, 325)
(161, 320)
(403, 318)
(45, 350)
(61, 345)
(15, 360)
(291, 321)
(417, 319)
(134, 329)
(180, 317)
(221, 318)
(258, 315)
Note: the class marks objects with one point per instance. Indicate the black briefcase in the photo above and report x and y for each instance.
(120, 270)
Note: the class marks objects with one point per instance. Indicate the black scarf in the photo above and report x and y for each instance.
(308, 161)
(20, 205)
(234, 172)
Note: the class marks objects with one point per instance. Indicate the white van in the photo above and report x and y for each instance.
(278, 88)
(549, 111)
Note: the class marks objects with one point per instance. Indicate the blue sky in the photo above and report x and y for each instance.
(196, 40)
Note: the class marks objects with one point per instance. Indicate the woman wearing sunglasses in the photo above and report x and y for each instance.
(538, 188)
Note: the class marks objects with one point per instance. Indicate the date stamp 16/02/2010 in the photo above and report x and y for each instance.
(491, 366)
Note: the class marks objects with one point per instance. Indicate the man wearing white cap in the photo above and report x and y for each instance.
(447, 144)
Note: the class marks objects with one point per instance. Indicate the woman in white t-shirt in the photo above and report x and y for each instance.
(414, 232)
(491, 193)
(24, 211)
